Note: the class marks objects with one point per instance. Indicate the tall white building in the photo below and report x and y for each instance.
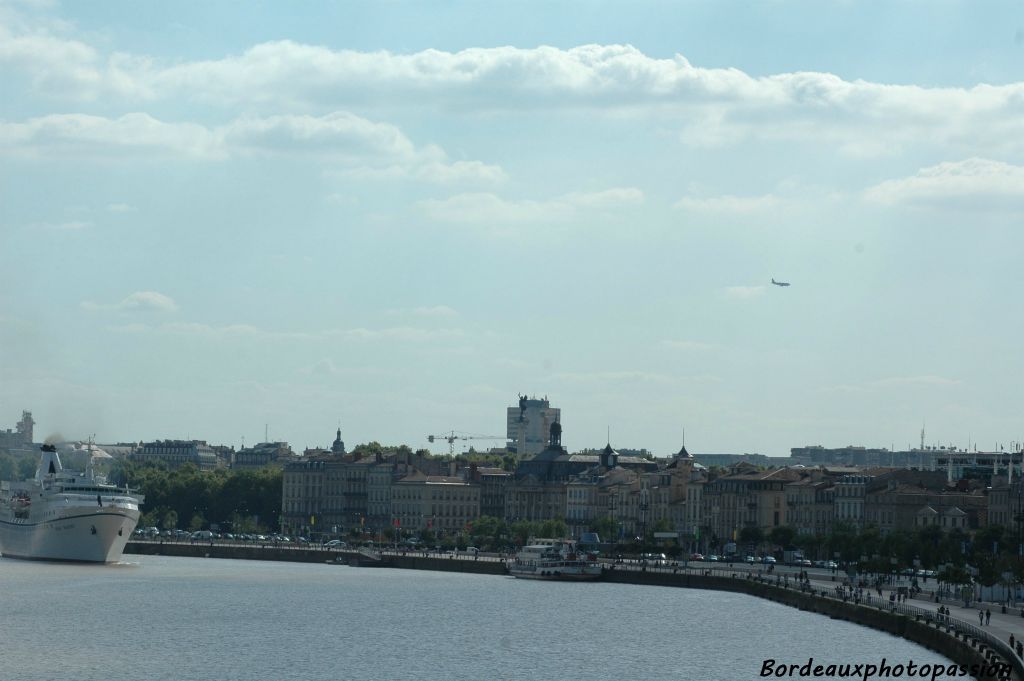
(529, 425)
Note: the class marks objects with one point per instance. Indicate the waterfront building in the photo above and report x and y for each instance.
(433, 502)
(747, 497)
(263, 454)
(1006, 503)
(177, 453)
(331, 492)
(893, 504)
(326, 495)
(685, 482)
(850, 495)
(810, 503)
(493, 483)
(528, 425)
(381, 477)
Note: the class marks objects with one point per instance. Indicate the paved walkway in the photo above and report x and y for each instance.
(1000, 625)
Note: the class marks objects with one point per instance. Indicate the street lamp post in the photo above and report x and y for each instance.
(643, 514)
(1017, 521)
(612, 508)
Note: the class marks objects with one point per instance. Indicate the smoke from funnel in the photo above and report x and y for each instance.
(54, 439)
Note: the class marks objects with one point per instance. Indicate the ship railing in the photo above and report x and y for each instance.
(369, 553)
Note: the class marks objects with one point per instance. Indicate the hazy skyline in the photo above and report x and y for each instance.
(397, 217)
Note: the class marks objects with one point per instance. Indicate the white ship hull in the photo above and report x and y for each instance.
(556, 574)
(96, 535)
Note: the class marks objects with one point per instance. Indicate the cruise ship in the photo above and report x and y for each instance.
(65, 515)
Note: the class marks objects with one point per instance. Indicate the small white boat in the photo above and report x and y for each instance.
(64, 515)
(555, 561)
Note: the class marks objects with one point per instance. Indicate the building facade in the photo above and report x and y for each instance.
(177, 453)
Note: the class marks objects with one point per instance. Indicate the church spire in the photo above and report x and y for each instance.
(338, 447)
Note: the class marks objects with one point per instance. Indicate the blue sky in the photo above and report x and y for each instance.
(399, 216)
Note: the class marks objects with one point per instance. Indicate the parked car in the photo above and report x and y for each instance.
(768, 560)
(712, 558)
(696, 556)
(336, 544)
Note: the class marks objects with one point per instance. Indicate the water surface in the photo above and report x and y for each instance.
(195, 619)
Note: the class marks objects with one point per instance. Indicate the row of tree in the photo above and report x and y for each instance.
(187, 498)
(991, 553)
(17, 466)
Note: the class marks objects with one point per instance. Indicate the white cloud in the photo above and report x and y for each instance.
(687, 345)
(728, 204)
(324, 367)
(926, 380)
(339, 134)
(140, 301)
(744, 292)
(148, 301)
(406, 334)
(362, 146)
(488, 208)
(974, 182)
(435, 311)
(714, 105)
(613, 377)
(62, 135)
(120, 208)
(70, 225)
(235, 331)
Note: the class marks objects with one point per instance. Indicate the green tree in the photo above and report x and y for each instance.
(663, 525)
(606, 528)
(7, 466)
(26, 468)
(783, 536)
(170, 520)
(553, 529)
(198, 522)
(751, 535)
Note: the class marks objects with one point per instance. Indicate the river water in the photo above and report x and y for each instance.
(195, 619)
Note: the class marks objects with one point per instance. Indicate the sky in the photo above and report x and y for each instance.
(225, 220)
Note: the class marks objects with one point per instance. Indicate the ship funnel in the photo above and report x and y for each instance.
(49, 463)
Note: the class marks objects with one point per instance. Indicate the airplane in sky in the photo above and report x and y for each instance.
(780, 283)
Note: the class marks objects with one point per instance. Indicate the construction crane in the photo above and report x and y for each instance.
(452, 436)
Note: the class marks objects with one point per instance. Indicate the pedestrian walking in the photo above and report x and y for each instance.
(988, 616)
(981, 618)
